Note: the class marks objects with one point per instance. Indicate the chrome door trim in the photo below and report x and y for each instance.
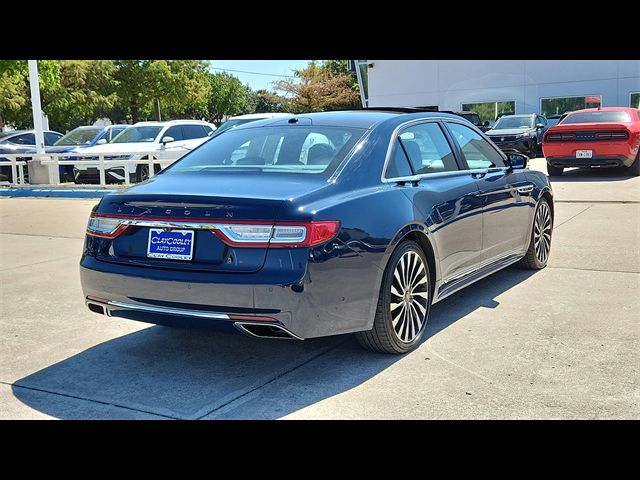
(481, 265)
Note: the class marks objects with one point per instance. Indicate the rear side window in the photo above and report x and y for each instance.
(174, 132)
(193, 131)
(399, 163)
(24, 139)
(427, 149)
(476, 150)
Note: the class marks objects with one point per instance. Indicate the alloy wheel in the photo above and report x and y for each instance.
(409, 297)
(542, 233)
(144, 172)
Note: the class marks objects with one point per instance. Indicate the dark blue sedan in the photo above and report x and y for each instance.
(318, 224)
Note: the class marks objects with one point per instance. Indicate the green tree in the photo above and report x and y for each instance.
(227, 97)
(15, 95)
(84, 94)
(317, 88)
(269, 102)
(341, 67)
(180, 85)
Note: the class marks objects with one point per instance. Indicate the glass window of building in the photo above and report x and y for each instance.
(490, 110)
(560, 105)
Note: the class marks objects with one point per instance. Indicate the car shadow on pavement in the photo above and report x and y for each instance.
(593, 175)
(175, 373)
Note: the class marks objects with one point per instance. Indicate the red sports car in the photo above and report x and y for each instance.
(594, 137)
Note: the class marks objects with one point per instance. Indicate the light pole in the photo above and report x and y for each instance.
(36, 170)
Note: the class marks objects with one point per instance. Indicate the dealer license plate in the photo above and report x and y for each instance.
(170, 244)
(584, 153)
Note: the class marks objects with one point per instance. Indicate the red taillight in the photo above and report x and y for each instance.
(278, 234)
(237, 233)
(612, 135)
(558, 137)
(321, 232)
(104, 226)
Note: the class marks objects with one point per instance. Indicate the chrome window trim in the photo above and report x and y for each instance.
(415, 178)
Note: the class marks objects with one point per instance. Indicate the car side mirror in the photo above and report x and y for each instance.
(166, 140)
(210, 134)
(485, 124)
(102, 141)
(539, 126)
(517, 161)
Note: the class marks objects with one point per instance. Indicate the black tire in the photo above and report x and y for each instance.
(142, 171)
(533, 149)
(634, 169)
(554, 171)
(537, 255)
(383, 337)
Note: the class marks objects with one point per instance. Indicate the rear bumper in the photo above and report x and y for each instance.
(267, 327)
(601, 161)
(317, 301)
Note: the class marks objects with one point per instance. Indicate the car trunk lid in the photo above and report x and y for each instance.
(200, 211)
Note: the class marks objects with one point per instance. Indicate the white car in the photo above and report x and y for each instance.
(167, 140)
(252, 117)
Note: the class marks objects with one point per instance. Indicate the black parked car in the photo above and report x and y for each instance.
(519, 132)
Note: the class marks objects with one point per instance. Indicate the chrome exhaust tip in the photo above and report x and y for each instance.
(265, 330)
(96, 308)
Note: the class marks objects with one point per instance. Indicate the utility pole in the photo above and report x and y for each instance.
(36, 169)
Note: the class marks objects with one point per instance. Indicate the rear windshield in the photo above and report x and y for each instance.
(597, 117)
(273, 149)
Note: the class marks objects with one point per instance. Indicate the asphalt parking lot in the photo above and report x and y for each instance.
(561, 343)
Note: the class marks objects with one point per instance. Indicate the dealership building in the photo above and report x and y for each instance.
(491, 87)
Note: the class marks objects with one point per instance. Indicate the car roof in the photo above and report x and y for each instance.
(364, 118)
(606, 109)
(19, 132)
(168, 122)
(251, 116)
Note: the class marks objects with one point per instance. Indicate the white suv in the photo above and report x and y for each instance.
(167, 140)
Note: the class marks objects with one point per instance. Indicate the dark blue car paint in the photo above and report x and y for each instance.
(472, 222)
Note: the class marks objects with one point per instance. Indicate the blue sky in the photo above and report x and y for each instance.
(265, 72)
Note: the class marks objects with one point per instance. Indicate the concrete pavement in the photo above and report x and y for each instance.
(559, 343)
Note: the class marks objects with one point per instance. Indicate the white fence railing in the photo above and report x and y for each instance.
(17, 166)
